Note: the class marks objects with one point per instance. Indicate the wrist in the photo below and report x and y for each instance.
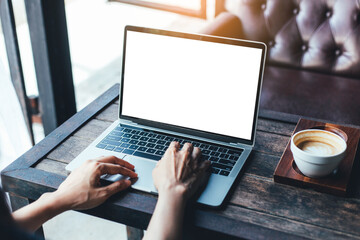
(173, 194)
(53, 202)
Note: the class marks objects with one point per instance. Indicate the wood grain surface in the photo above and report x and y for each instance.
(255, 198)
(256, 208)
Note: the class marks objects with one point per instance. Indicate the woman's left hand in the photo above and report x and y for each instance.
(82, 189)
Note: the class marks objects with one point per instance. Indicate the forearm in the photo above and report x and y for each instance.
(32, 216)
(167, 220)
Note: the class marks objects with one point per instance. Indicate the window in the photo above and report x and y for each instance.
(195, 8)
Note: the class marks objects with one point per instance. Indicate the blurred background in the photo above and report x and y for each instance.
(95, 36)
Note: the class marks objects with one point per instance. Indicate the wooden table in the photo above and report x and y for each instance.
(256, 208)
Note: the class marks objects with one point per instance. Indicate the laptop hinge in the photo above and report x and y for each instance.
(237, 144)
(128, 122)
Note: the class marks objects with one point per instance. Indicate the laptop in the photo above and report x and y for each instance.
(187, 88)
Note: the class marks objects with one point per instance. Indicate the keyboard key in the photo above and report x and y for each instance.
(128, 151)
(125, 145)
(135, 137)
(150, 135)
(232, 157)
(109, 148)
(236, 153)
(196, 144)
(118, 149)
(150, 145)
(147, 155)
(125, 140)
(135, 131)
(151, 150)
(133, 147)
(101, 145)
(119, 129)
(113, 138)
(213, 148)
(227, 162)
(215, 154)
(205, 151)
(143, 149)
(127, 130)
(222, 150)
(141, 133)
(152, 140)
(109, 142)
(160, 147)
(127, 135)
(142, 143)
(161, 142)
(223, 155)
(160, 136)
(224, 173)
(116, 133)
(214, 159)
(167, 143)
(144, 138)
(160, 152)
(204, 146)
(169, 139)
(221, 166)
(145, 134)
(133, 141)
(215, 170)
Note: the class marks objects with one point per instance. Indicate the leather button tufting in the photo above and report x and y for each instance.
(357, 17)
(263, 6)
(328, 14)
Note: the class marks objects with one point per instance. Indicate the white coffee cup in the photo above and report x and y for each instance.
(317, 153)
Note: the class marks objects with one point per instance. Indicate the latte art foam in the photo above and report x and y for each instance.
(319, 143)
(318, 148)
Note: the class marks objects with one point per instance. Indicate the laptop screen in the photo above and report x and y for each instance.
(208, 86)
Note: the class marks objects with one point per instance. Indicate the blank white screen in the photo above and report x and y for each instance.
(194, 84)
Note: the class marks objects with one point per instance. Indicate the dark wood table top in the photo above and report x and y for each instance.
(256, 208)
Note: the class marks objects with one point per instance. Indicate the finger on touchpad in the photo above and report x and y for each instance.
(143, 168)
(114, 178)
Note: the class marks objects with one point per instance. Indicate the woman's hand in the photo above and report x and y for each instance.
(177, 176)
(82, 189)
(180, 171)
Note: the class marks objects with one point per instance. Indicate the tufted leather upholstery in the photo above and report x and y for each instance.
(313, 67)
(320, 35)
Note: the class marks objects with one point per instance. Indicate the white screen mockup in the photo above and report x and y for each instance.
(195, 84)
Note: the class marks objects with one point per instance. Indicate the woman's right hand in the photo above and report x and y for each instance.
(180, 172)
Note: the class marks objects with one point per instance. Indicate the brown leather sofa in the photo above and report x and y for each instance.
(313, 59)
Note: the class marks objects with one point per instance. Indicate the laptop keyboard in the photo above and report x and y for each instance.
(152, 145)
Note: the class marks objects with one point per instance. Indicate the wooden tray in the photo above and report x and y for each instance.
(337, 183)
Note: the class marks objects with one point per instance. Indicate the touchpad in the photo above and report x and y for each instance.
(143, 168)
